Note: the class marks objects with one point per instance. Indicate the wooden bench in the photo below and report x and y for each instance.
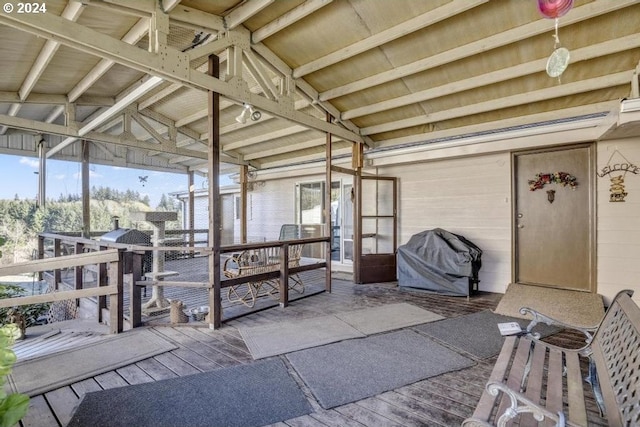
(255, 261)
(536, 381)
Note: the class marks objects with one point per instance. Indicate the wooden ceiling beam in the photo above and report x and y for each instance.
(289, 148)
(426, 19)
(301, 158)
(168, 64)
(71, 12)
(532, 67)
(55, 99)
(243, 12)
(280, 133)
(289, 18)
(72, 132)
(477, 47)
(564, 90)
(305, 88)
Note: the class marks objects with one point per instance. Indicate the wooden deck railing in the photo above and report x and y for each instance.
(109, 260)
(59, 245)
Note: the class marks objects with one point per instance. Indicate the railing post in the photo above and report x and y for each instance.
(57, 251)
(135, 300)
(40, 253)
(102, 280)
(284, 275)
(116, 312)
(78, 272)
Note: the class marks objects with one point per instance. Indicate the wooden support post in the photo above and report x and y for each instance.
(215, 223)
(191, 212)
(103, 280)
(78, 272)
(57, 251)
(328, 231)
(284, 275)
(116, 302)
(244, 173)
(42, 173)
(86, 196)
(357, 218)
(135, 302)
(40, 253)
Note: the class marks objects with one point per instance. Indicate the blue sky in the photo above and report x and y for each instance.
(18, 176)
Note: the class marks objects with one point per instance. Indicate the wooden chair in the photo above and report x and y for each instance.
(248, 263)
(295, 281)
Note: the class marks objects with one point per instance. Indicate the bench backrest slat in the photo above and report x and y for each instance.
(616, 353)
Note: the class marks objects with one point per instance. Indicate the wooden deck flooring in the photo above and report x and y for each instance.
(444, 400)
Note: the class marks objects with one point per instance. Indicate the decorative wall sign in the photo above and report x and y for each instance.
(563, 178)
(617, 190)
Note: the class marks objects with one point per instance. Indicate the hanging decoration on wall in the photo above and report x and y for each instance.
(617, 173)
(559, 59)
(562, 178)
(551, 195)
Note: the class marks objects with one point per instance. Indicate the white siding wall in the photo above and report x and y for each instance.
(469, 196)
(472, 196)
(619, 224)
(270, 205)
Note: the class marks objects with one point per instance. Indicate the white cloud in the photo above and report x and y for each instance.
(60, 176)
(92, 174)
(32, 163)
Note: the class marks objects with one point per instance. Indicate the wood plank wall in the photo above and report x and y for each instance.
(472, 196)
(468, 196)
(618, 223)
(271, 204)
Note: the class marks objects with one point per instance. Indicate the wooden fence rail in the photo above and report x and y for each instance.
(130, 255)
(112, 288)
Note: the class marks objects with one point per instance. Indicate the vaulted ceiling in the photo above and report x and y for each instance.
(130, 76)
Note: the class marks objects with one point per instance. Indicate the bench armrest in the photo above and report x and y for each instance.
(519, 404)
(543, 318)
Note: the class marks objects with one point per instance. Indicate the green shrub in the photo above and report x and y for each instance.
(13, 406)
(30, 312)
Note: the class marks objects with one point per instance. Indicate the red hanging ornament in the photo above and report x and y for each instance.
(554, 8)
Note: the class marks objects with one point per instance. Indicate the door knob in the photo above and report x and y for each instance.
(520, 226)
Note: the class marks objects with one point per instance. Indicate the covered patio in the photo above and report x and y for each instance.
(364, 121)
(441, 400)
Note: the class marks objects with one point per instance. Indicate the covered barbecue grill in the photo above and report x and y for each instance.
(131, 236)
(439, 261)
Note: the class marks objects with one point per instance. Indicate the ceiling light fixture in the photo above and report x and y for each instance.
(248, 112)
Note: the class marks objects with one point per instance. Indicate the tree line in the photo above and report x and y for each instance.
(22, 220)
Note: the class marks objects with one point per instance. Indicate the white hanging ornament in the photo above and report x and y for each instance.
(559, 59)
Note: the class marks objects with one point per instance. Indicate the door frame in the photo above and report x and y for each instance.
(592, 202)
(380, 267)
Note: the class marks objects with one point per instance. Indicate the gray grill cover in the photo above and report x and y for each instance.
(439, 261)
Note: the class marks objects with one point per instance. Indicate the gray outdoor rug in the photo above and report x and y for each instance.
(388, 317)
(477, 333)
(37, 376)
(298, 334)
(284, 337)
(351, 370)
(256, 394)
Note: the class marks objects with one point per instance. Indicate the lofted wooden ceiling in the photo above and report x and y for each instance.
(131, 75)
